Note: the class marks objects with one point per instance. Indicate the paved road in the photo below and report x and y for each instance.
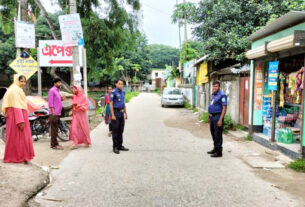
(165, 167)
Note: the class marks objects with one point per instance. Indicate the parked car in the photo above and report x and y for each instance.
(172, 97)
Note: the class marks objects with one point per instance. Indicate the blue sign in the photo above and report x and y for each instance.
(273, 75)
(81, 41)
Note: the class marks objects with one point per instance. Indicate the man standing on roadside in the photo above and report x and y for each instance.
(118, 109)
(55, 104)
(217, 112)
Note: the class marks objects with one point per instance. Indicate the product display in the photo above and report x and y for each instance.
(288, 117)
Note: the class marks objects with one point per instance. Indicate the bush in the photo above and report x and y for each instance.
(187, 106)
(228, 124)
(204, 117)
(298, 165)
(130, 94)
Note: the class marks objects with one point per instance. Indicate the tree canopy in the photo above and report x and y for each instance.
(223, 26)
(162, 55)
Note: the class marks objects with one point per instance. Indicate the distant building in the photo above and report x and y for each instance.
(156, 77)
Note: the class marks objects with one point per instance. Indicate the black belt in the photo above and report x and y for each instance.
(215, 114)
(119, 110)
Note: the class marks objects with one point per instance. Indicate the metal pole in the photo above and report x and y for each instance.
(252, 101)
(39, 76)
(75, 54)
(273, 115)
(85, 71)
(302, 141)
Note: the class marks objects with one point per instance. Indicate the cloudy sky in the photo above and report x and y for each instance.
(156, 20)
(157, 23)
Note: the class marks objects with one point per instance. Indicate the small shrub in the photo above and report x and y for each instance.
(187, 106)
(228, 124)
(298, 165)
(240, 127)
(248, 138)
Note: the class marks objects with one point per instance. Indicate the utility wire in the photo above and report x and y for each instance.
(158, 10)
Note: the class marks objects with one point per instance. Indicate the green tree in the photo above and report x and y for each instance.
(162, 55)
(223, 26)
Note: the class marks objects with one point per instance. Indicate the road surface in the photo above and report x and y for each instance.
(166, 167)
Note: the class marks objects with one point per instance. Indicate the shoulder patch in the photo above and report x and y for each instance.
(223, 99)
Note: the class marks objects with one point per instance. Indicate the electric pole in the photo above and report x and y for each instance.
(75, 54)
(22, 15)
(185, 23)
(179, 30)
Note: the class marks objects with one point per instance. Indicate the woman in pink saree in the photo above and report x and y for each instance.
(79, 129)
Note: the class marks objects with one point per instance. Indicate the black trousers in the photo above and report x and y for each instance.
(54, 124)
(118, 129)
(110, 127)
(216, 132)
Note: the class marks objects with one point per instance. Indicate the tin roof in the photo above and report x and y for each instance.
(290, 19)
(199, 61)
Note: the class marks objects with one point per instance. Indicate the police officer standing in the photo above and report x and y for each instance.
(217, 112)
(118, 110)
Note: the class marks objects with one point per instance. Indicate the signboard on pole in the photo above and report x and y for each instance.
(24, 35)
(25, 66)
(52, 53)
(71, 30)
(273, 75)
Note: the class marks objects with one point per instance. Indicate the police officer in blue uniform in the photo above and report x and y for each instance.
(217, 112)
(118, 110)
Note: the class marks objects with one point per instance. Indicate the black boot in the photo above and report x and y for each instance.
(212, 151)
(217, 154)
(123, 148)
(116, 150)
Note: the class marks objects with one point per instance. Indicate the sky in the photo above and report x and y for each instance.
(155, 20)
(157, 23)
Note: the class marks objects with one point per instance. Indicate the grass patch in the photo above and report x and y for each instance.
(240, 127)
(204, 117)
(195, 110)
(298, 165)
(188, 106)
(157, 91)
(130, 94)
(248, 138)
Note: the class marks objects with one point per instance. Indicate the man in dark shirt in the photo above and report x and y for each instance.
(118, 109)
(217, 112)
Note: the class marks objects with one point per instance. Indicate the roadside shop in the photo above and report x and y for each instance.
(277, 82)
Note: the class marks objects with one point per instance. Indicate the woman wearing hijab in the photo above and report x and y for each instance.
(19, 144)
(79, 129)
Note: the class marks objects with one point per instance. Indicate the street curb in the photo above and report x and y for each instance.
(275, 146)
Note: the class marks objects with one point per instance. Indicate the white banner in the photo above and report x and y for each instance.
(71, 29)
(24, 35)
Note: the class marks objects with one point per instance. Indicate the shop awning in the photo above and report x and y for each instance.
(256, 53)
(297, 39)
(285, 43)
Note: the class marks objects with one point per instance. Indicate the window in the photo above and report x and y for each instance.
(156, 74)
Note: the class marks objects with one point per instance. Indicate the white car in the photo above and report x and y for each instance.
(172, 97)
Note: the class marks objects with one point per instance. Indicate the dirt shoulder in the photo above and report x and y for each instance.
(20, 182)
(285, 179)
